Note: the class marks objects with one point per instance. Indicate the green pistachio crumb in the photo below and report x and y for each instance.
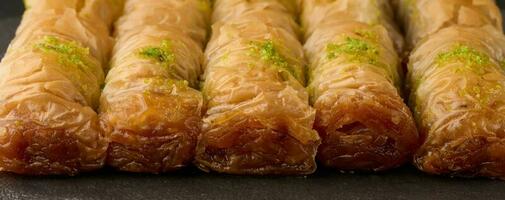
(471, 58)
(358, 50)
(268, 53)
(69, 53)
(161, 54)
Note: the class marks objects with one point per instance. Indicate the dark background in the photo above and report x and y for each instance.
(405, 183)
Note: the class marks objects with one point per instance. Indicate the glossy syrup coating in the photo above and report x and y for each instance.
(278, 13)
(321, 13)
(355, 83)
(150, 108)
(422, 18)
(50, 84)
(456, 84)
(258, 120)
(457, 78)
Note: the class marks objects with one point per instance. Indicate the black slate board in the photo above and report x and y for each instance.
(404, 183)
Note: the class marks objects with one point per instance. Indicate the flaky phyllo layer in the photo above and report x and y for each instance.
(150, 107)
(355, 81)
(456, 80)
(258, 119)
(422, 18)
(457, 84)
(319, 14)
(50, 84)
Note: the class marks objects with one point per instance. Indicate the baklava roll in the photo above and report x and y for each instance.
(321, 13)
(150, 108)
(277, 13)
(422, 18)
(50, 82)
(457, 84)
(258, 120)
(456, 80)
(235, 8)
(355, 83)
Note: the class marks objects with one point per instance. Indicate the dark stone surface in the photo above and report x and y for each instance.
(10, 15)
(405, 183)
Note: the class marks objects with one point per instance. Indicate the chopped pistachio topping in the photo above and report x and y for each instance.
(358, 50)
(69, 53)
(361, 48)
(268, 53)
(162, 54)
(471, 58)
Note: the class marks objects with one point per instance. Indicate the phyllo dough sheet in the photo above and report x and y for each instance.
(355, 81)
(150, 107)
(457, 83)
(49, 87)
(258, 120)
(456, 80)
(422, 18)
(323, 13)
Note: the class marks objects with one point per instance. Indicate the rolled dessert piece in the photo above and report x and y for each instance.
(258, 120)
(50, 82)
(107, 11)
(457, 84)
(150, 108)
(234, 8)
(320, 13)
(191, 16)
(277, 13)
(422, 18)
(355, 84)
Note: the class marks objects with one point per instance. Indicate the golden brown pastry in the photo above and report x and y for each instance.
(149, 107)
(278, 13)
(422, 18)
(50, 83)
(258, 120)
(457, 84)
(354, 84)
(322, 13)
(456, 80)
